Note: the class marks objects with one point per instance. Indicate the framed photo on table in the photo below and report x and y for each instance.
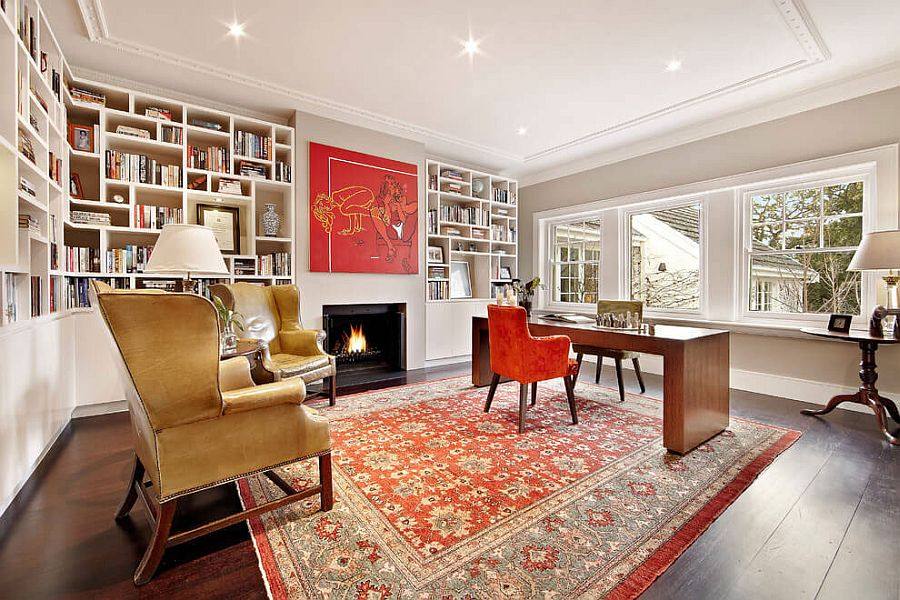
(226, 225)
(840, 323)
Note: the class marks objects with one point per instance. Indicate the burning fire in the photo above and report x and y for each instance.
(356, 341)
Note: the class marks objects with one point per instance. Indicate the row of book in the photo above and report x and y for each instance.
(154, 217)
(37, 296)
(503, 234)
(211, 158)
(130, 259)
(29, 223)
(282, 172)
(465, 215)
(171, 134)
(438, 290)
(82, 259)
(138, 168)
(78, 292)
(276, 264)
(501, 195)
(252, 145)
(55, 168)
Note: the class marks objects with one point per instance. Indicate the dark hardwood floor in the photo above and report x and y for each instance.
(821, 522)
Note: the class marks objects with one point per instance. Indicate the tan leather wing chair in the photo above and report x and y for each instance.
(198, 423)
(272, 314)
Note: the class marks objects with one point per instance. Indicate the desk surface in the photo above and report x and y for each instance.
(661, 332)
(855, 335)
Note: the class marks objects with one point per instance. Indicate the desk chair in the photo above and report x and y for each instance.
(618, 307)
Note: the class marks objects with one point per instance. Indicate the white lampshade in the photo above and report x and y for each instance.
(187, 249)
(878, 251)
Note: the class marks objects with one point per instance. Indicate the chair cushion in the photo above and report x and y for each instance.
(606, 352)
(311, 368)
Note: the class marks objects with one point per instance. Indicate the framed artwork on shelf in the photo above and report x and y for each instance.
(81, 137)
(840, 323)
(505, 273)
(226, 225)
(76, 190)
(460, 282)
(363, 213)
(436, 254)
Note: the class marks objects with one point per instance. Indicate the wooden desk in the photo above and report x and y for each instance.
(867, 394)
(695, 371)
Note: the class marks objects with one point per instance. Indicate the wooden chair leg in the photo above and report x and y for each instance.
(619, 380)
(599, 368)
(523, 401)
(332, 390)
(494, 381)
(579, 358)
(533, 393)
(637, 371)
(137, 476)
(570, 396)
(154, 553)
(325, 481)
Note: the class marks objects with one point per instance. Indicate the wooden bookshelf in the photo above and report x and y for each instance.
(473, 218)
(34, 108)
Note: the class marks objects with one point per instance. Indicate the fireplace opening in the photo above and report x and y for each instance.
(367, 339)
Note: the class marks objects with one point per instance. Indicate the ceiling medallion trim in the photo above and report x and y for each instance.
(794, 13)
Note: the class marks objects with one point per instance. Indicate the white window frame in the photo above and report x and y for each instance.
(548, 279)
(625, 271)
(863, 172)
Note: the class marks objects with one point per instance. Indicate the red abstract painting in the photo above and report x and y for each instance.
(363, 213)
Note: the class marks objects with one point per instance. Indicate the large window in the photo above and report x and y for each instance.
(575, 261)
(665, 250)
(801, 241)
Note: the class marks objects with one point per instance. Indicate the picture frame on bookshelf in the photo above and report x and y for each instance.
(435, 255)
(76, 190)
(226, 225)
(81, 137)
(460, 281)
(505, 273)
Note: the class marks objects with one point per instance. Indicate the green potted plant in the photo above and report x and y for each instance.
(231, 321)
(525, 292)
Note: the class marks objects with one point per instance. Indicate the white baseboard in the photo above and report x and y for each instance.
(103, 408)
(450, 360)
(31, 468)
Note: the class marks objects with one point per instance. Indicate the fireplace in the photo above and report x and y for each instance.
(367, 339)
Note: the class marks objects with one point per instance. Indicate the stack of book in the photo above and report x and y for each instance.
(154, 217)
(252, 145)
(452, 174)
(282, 172)
(82, 260)
(26, 186)
(87, 96)
(141, 169)
(130, 259)
(167, 285)
(465, 215)
(244, 266)
(254, 170)
(277, 264)
(211, 158)
(29, 223)
(84, 217)
(452, 187)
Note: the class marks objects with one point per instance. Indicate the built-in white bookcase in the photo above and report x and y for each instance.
(31, 109)
(472, 218)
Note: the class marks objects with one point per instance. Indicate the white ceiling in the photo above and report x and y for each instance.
(586, 77)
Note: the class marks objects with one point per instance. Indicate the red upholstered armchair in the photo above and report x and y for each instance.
(518, 355)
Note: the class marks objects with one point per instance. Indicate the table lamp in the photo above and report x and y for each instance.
(184, 249)
(880, 251)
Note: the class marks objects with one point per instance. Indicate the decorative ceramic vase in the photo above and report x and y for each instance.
(229, 338)
(271, 221)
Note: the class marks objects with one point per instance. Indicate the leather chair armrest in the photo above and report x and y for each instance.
(302, 342)
(234, 374)
(287, 391)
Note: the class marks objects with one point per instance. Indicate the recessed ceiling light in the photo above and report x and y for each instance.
(236, 30)
(673, 65)
(470, 46)
(522, 130)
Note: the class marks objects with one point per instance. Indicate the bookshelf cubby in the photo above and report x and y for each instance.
(472, 218)
(39, 225)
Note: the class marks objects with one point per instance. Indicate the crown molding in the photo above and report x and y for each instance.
(793, 12)
(870, 82)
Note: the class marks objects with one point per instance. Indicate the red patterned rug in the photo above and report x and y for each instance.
(435, 499)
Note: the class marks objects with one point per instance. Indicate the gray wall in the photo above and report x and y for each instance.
(857, 124)
(317, 289)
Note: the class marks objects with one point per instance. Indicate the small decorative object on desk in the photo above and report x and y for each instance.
(271, 221)
(840, 323)
(525, 292)
(876, 326)
(230, 320)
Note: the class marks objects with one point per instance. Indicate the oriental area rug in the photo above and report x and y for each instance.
(436, 499)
